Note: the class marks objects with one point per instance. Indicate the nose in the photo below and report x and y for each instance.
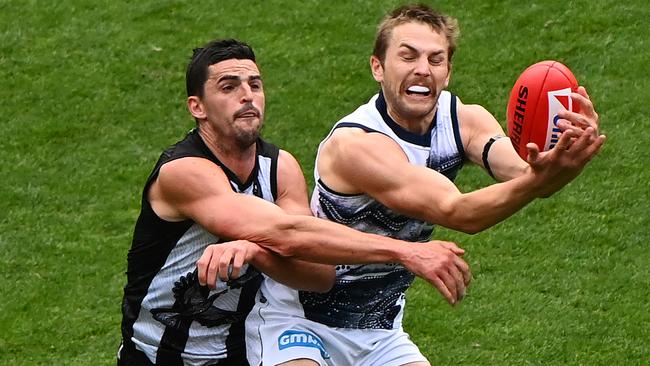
(422, 67)
(246, 93)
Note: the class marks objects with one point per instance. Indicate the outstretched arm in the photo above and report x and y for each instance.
(197, 189)
(219, 259)
(353, 161)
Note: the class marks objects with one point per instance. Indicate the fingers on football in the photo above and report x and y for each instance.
(565, 140)
(584, 140)
(578, 119)
(585, 106)
(582, 91)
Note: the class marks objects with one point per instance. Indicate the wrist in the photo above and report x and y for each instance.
(398, 252)
(532, 184)
(253, 251)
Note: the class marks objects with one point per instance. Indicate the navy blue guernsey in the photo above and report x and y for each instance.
(167, 315)
(373, 295)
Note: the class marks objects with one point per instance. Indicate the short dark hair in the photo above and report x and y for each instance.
(210, 54)
(421, 13)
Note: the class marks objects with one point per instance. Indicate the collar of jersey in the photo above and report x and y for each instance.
(235, 183)
(408, 136)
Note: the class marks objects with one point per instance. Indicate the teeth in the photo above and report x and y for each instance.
(418, 89)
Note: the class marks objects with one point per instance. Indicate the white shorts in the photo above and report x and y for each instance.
(274, 337)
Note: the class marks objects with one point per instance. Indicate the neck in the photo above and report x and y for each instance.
(418, 125)
(240, 160)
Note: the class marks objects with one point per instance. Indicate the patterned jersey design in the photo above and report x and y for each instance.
(373, 295)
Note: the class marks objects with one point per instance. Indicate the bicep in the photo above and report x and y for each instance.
(379, 168)
(477, 127)
(199, 190)
(504, 161)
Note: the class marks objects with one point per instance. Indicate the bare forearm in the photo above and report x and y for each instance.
(304, 237)
(478, 210)
(295, 273)
(318, 240)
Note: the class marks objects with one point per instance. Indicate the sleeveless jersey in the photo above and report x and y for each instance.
(166, 313)
(372, 296)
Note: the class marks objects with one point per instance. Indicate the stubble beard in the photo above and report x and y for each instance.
(246, 132)
(244, 138)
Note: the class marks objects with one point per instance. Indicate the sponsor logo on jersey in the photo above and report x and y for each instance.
(557, 101)
(296, 338)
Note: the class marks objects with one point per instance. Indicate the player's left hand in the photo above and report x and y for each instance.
(555, 168)
(224, 261)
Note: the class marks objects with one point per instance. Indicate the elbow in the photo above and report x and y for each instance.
(283, 249)
(324, 287)
(472, 229)
(466, 226)
(282, 239)
(325, 283)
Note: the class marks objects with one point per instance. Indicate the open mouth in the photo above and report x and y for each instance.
(418, 90)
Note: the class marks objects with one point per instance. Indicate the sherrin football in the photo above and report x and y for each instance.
(540, 92)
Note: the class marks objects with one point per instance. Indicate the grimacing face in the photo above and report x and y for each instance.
(233, 101)
(416, 69)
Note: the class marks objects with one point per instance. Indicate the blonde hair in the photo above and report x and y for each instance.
(439, 22)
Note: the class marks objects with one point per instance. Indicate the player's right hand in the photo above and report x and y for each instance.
(224, 261)
(440, 264)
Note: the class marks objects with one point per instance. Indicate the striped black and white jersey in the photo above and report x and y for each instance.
(167, 315)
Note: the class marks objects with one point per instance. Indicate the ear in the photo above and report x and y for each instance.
(195, 106)
(376, 68)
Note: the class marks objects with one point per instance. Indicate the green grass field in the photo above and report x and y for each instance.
(92, 91)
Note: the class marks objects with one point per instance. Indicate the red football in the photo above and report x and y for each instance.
(540, 92)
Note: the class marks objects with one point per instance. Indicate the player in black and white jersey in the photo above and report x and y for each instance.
(388, 168)
(186, 298)
(169, 317)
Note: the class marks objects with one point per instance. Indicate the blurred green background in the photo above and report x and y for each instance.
(92, 91)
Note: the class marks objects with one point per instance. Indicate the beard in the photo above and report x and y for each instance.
(244, 138)
(247, 131)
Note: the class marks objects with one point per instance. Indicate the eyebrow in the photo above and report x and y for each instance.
(413, 49)
(237, 78)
